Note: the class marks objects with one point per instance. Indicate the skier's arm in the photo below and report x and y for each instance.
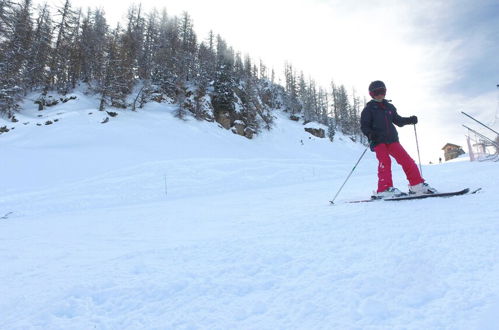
(402, 121)
(365, 122)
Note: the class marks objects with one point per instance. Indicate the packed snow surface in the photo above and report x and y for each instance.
(151, 222)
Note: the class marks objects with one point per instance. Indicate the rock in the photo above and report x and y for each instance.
(65, 99)
(318, 132)
(224, 119)
(249, 132)
(239, 127)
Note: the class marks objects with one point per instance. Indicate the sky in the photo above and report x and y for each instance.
(437, 58)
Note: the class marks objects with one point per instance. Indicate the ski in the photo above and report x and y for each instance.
(446, 194)
(466, 191)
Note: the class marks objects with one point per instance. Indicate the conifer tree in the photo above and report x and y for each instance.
(36, 74)
(61, 53)
(5, 17)
(13, 77)
(291, 100)
(343, 109)
(92, 44)
(354, 123)
(113, 87)
(223, 98)
(165, 61)
(150, 46)
(335, 105)
(188, 49)
(263, 70)
(75, 51)
(131, 48)
(204, 76)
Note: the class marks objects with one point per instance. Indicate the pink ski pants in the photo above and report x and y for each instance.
(383, 153)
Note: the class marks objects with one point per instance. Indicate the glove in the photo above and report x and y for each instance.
(413, 120)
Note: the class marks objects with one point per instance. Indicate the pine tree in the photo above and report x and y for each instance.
(131, 49)
(206, 62)
(291, 101)
(37, 74)
(323, 107)
(263, 70)
(239, 72)
(61, 53)
(165, 61)
(251, 103)
(92, 45)
(188, 49)
(224, 98)
(331, 129)
(309, 99)
(344, 110)
(150, 47)
(5, 18)
(13, 77)
(75, 61)
(354, 124)
(335, 105)
(113, 87)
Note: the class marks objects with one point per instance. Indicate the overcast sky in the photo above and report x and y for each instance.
(437, 58)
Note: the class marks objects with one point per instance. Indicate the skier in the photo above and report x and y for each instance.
(377, 121)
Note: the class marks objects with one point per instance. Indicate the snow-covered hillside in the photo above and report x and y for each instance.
(150, 222)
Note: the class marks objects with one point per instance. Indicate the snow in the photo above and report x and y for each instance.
(151, 222)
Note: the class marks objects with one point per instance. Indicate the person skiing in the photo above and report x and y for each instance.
(376, 123)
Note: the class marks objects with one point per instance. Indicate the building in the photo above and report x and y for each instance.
(452, 151)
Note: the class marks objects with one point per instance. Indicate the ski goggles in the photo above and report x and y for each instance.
(378, 91)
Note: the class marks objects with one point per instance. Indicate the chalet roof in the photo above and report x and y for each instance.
(450, 145)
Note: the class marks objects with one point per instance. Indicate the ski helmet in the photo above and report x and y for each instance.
(376, 85)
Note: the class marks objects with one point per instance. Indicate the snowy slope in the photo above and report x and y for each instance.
(149, 222)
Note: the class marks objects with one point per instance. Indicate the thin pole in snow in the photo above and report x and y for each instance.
(166, 188)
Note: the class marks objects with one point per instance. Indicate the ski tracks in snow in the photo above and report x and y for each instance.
(265, 258)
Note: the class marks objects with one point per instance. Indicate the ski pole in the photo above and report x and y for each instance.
(417, 147)
(348, 177)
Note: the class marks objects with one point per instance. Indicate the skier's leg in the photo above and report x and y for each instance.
(384, 167)
(408, 164)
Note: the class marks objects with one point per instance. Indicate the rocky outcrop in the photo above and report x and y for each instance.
(318, 132)
(223, 119)
(238, 127)
(249, 132)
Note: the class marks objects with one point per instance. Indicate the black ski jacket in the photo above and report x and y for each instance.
(376, 122)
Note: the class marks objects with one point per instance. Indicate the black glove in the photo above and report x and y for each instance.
(371, 136)
(413, 120)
